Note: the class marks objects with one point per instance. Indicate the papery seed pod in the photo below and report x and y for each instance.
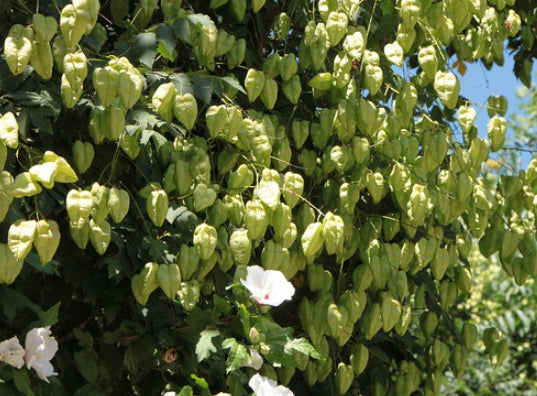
(157, 206)
(254, 83)
(292, 189)
(373, 78)
(336, 26)
(79, 206)
(216, 120)
(183, 178)
(205, 238)
(20, 237)
(282, 25)
(100, 235)
(130, 85)
(466, 117)
(100, 202)
(96, 125)
(371, 321)
(235, 56)
(240, 246)
(428, 60)
(46, 240)
(394, 53)
(447, 88)
(333, 233)
(64, 174)
(106, 84)
(390, 311)
(292, 89)
(359, 358)
(118, 203)
(344, 377)
(45, 27)
(90, 10)
(83, 154)
(237, 9)
(496, 129)
(188, 260)
(269, 93)
(428, 323)
(185, 109)
(113, 122)
(18, 48)
(256, 219)
(163, 100)
(375, 184)
(73, 25)
(9, 130)
(287, 66)
(145, 283)
(169, 279)
(10, 267)
(224, 43)
(80, 234)
(189, 294)
(41, 59)
(312, 239)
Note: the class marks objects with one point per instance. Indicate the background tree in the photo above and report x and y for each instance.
(187, 141)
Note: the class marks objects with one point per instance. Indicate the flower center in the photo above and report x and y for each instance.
(266, 296)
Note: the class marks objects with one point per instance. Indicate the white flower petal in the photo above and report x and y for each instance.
(12, 352)
(256, 360)
(40, 349)
(44, 369)
(263, 386)
(268, 287)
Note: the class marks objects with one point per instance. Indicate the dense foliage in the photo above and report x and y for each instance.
(155, 152)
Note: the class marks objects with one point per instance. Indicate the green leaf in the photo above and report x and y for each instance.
(276, 337)
(146, 135)
(50, 316)
(86, 364)
(12, 301)
(201, 19)
(88, 390)
(301, 345)
(221, 306)
(186, 391)
(238, 354)
(182, 82)
(233, 83)
(245, 318)
(205, 345)
(145, 48)
(166, 41)
(204, 86)
(22, 382)
(200, 381)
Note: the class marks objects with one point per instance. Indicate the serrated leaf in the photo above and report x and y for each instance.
(201, 19)
(205, 345)
(204, 86)
(166, 41)
(301, 345)
(182, 82)
(238, 354)
(233, 83)
(145, 48)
